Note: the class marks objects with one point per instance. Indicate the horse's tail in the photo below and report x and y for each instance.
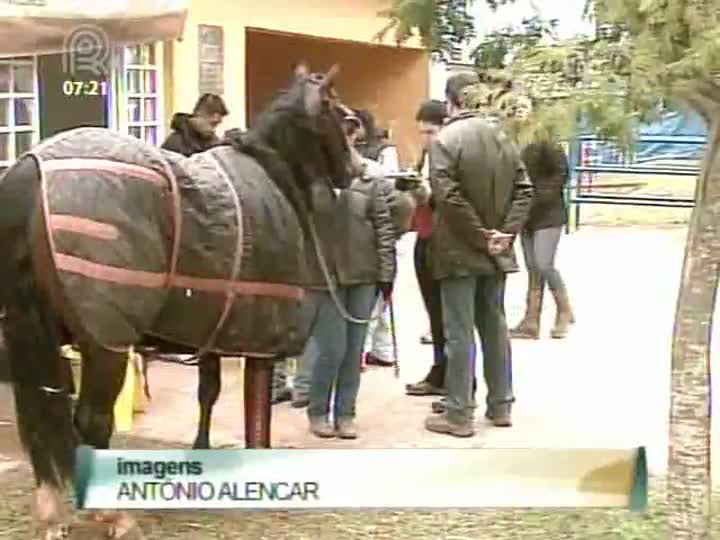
(32, 336)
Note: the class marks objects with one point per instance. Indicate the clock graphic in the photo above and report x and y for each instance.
(84, 88)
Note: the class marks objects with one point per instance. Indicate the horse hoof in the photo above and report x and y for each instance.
(120, 533)
(134, 533)
(58, 532)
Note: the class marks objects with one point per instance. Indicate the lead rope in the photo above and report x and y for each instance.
(330, 283)
(193, 360)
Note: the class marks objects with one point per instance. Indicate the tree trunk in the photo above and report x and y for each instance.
(690, 482)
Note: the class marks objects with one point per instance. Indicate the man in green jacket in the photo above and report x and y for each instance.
(481, 197)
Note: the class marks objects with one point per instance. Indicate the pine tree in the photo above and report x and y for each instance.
(649, 53)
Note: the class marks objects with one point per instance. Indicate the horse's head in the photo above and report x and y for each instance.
(327, 145)
(299, 139)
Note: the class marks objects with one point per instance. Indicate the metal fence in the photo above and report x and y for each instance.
(592, 159)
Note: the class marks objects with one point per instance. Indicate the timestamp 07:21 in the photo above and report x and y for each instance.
(85, 88)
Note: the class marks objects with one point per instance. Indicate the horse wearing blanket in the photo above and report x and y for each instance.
(111, 243)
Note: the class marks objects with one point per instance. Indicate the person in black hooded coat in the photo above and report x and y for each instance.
(194, 133)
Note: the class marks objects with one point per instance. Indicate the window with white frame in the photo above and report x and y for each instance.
(18, 108)
(143, 92)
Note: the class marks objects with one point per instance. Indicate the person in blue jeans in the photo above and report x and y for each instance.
(364, 255)
(481, 196)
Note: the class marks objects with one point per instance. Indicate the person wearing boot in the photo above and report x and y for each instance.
(482, 197)
(430, 118)
(548, 169)
(363, 248)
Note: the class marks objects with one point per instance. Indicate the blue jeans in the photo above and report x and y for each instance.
(279, 378)
(306, 362)
(305, 366)
(468, 303)
(339, 347)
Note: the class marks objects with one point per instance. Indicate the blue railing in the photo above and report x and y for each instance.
(652, 155)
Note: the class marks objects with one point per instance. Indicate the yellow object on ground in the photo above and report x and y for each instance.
(125, 403)
(140, 400)
(132, 397)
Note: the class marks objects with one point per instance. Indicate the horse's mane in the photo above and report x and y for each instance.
(280, 141)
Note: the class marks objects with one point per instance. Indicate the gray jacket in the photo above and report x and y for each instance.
(478, 182)
(400, 204)
(364, 249)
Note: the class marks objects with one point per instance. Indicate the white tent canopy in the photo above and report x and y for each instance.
(52, 26)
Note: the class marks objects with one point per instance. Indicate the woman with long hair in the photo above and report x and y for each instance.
(547, 166)
(364, 254)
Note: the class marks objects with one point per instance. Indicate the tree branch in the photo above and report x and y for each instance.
(703, 96)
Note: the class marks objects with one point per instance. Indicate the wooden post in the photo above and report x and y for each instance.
(258, 408)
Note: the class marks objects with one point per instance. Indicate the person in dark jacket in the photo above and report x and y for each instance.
(430, 118)
(193, 133)
(363, 249)
(324, 215)
(482, 195)
(375, 143)
(548, 169)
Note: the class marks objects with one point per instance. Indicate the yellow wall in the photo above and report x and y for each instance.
(388, 81)
(355, 20)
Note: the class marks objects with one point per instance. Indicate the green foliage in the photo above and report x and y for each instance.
(569, 84)
(670, 41)
(495, 49)
(650, 52)
(444, 26)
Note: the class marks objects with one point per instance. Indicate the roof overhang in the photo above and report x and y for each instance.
(53, 26)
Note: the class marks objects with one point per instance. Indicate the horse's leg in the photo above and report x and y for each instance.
(258, 385)
(209, 384)
(38, 374)
(104, 371)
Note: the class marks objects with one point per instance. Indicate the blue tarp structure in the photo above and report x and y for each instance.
(676, 136)
(673, 125)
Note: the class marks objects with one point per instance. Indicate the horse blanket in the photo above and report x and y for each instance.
(202, 251)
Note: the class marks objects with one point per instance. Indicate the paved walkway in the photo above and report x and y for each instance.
(607, 385)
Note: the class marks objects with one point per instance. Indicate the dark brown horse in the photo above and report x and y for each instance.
(210, 375)
(110, 243)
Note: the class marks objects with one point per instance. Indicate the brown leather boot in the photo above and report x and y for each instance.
(529, 326)
(564, 316)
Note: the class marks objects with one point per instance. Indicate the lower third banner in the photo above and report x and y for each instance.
(337, 479)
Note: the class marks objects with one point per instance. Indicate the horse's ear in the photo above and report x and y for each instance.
(301, 70)
(330, 75)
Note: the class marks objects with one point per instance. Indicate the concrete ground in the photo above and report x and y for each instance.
(607, 385)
